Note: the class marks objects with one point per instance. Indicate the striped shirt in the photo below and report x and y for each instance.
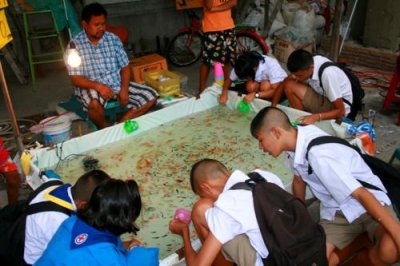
(102, 62)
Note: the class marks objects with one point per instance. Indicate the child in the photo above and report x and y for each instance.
(41, 227)
(347, 208)
(223, 218)
(263, 73)
(93, 236)
(304, 92)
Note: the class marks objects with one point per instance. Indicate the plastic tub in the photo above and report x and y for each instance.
(56, 131)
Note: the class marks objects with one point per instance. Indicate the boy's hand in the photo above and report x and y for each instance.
(249, 97)
(223, 98)
(309, 119)
(177, 227)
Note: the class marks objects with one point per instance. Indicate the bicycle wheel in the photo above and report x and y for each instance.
(185, 49)
(246, 41)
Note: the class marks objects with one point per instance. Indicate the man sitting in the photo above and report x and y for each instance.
(104, 73)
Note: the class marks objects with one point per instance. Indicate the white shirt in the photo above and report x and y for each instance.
(233, 214)
(335, 82)
(269, 70)
(335, 170)
(41, 227)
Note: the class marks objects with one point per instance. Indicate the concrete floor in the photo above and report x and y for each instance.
(53, 85)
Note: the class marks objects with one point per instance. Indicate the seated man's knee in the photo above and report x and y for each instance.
(289, 86)
(95, 106)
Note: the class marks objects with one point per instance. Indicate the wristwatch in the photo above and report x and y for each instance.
(257, 95)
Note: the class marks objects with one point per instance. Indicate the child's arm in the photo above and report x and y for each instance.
(227, 5)
(379, 213)
(224, 95)
(299, 188)
(207, 253)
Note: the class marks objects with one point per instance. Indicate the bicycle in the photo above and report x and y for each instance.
(187, 46)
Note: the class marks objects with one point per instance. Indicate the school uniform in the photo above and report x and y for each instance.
(335, 85)
(269, 70)
(233, 214)
(77, 243)
(41, 227)
(336, 169)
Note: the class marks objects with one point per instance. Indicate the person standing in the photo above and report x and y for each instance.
(219, 38)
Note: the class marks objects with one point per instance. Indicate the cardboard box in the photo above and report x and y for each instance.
(145, 63)
(186, 4)
(165, 82)
(283, 49)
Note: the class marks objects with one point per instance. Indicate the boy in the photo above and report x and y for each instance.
(40, 227)
(221, 215)
(304, 92)
(219, 38)
(347, 208)
(263, 73)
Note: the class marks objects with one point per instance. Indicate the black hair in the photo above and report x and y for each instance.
(257, 122)
(208, 166)
(299, 60)
(246, 63)
(93, 9)
(113, 207)
(84, 186)
(275, 117)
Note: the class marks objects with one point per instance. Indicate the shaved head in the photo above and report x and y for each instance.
(268, 118)
(206, 169)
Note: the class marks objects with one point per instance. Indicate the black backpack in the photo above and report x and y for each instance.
(389, 175)
(288, 231)
(356, 89)
(13, 221)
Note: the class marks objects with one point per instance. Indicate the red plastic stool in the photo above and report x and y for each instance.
(391, 94)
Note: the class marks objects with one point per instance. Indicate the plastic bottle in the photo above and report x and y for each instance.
(218, 74)
(130, 126)
(183, 215)
(243, 107)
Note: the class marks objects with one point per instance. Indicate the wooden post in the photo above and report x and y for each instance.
(336, 31)
(13, 119)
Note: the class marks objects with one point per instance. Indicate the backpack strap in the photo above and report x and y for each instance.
(46, 206)
(332, 139)
(254, 178)
(321, 70)
(42, 187)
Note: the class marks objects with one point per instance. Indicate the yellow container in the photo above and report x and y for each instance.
(5, 33)
(165, 82)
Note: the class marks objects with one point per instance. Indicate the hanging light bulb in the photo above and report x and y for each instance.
(73, 58)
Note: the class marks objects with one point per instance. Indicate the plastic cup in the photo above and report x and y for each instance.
(183, 215)
(130, 126)
(243, 107)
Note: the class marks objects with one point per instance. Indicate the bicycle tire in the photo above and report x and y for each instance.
(185, 49)
(246, 41)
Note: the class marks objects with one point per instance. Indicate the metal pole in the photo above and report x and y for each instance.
(11, 112)
(336, 30)
(347, 27)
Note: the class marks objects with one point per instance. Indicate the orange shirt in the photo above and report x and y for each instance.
(217, 21)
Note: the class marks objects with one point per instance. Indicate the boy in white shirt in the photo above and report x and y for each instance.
(347, 208)
(221, 215)
(304, 92)
(263, 73)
